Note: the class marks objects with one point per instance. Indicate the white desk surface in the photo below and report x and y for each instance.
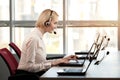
(108, 69)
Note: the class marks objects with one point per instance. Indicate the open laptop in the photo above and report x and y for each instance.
(94, 47)
(75, 71)
(99, 44)
(80, 62)
(81, 71)
(84, 53)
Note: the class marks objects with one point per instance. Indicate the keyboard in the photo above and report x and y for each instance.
(73, 64)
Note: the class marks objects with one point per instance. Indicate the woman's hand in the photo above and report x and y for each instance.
(68, 58)
(64, 60)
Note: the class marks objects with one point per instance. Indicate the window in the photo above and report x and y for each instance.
(88, 17)
(79, 21)
(4, 10)
(4, 28)
(4, 34)
(93, 10)
(81, 39)
(30, 9)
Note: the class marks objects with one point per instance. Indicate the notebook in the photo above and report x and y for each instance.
(81, 71)
(97, 47)
(75, 71)
(84, 53)
(80, 62)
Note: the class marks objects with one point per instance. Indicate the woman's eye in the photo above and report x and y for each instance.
(56, 23)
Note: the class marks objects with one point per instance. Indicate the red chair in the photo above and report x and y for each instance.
(9, 59)
(15, 48)
(12, 64)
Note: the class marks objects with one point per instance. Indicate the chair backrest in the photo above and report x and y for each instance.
(15, 48)
(9, 59)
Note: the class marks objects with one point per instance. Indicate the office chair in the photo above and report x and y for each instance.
(12, 64)
(15, 48)
(9, 59)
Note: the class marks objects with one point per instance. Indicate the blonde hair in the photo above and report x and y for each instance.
(44, 16)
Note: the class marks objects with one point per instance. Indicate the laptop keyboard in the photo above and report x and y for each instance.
(73, 70)
(73, 63)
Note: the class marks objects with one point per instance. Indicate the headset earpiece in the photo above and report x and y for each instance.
(48, 22)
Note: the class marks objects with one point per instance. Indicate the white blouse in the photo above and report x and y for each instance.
(33, 55)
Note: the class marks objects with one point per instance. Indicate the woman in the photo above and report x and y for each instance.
(33, 56)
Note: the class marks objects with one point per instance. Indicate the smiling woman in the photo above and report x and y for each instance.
(79, 20)
(33, 53)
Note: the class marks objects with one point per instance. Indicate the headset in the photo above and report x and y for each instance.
(48, 22)
(105, 54)
(99, 61)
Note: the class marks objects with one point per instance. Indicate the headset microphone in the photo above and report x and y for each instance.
(55, 32)
(98, 62)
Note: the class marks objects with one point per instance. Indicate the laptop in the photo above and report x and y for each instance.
(80, 62)
(98, 43)
(75, 71)
(84, 53)
(99, 46)
(95, 48)
(81, 71)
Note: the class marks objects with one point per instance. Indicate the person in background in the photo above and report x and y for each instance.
(33, 52)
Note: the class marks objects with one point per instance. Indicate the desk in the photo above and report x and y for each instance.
(108, 69)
